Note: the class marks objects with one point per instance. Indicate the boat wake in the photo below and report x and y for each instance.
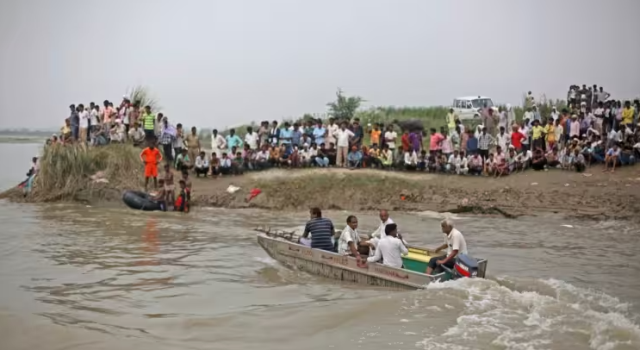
(528, 314)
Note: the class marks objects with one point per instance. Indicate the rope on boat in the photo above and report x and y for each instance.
(288, 235)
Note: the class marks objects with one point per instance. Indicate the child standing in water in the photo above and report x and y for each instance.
(182, 202)
(185, 178)
(169, 187)
(160, 195)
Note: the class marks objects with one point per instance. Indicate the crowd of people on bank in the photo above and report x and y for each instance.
(590, 129)
(572, 139)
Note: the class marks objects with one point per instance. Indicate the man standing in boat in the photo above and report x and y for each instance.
(321, 230)
(454, 243)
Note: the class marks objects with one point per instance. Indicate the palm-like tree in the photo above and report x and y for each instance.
(344, 108)
(140, 95)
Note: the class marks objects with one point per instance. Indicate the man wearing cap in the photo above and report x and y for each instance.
(574, 127)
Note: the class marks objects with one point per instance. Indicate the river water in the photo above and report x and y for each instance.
(77, 277)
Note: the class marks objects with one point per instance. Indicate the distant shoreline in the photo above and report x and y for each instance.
(16, 138)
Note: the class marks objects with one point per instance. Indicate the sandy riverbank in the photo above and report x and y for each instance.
(598, 196)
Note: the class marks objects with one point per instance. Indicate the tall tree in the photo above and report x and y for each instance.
(344, 107)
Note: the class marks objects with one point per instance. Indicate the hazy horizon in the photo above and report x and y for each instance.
(222, 63)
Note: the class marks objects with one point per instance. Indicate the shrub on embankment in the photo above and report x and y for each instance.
(77, 173)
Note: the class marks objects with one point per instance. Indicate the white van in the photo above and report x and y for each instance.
(470, 107)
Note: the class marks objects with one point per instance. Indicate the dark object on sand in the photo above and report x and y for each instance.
(411, 125)
(140, 201)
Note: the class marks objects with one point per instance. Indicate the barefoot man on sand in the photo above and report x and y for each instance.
(150, 156)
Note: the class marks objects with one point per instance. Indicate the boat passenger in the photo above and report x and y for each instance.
(379, 233)
(390, 248)
(349, 239)
(454, 243)
(321, 230)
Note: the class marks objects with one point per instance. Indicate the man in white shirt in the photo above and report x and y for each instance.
(93, 113)
(503, 120)
(136, 135)
(390, 138)
(528, 115)
(332, 128)
(251, 138)
(410, 160)
(463, 168)
(614, 137)
(349, 238)
(454, 243)
(554, 113)
(262, 158)
(504, 138)
(342, 136)
(390, 248)
(218, 143)
(118, 132)
(453, 163)
(83, 115)
(225, 164)
(305, 155)
(202, 164)
(384, 221)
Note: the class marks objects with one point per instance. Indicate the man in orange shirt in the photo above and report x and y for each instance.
(375, 135)
(150, 156)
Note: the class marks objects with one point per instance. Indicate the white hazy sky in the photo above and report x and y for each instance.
(220, 63)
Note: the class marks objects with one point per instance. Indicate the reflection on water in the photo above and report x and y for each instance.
(99, 278)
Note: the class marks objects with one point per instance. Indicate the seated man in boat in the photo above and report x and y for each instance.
(350, 239)
(379, 233)
(385, 220)
(390, 248)
(454, 243)
(321, 230)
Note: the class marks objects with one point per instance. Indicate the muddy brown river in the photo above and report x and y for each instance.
(77, 277)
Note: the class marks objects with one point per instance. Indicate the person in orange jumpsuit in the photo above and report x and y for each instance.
(150, 156)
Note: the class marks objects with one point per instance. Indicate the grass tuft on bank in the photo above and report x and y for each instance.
(66, 172)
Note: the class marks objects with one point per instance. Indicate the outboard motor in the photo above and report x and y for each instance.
(465, 266)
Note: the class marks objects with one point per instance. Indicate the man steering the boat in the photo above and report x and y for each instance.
(454, 243)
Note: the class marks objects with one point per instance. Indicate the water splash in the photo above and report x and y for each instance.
(532, 314)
